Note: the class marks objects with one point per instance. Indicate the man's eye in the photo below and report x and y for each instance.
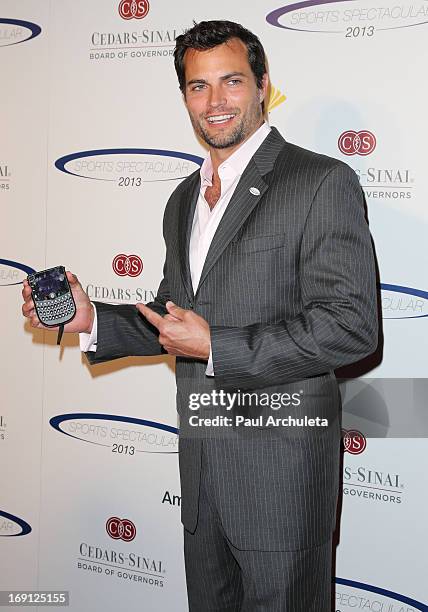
(198, 87)
(234, 82)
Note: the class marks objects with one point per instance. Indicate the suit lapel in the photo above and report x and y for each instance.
(187, 204)
(246, 196)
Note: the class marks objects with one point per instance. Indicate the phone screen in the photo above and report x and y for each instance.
(49, 284)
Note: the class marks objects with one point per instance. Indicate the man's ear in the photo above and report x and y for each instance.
(264, 89)
(264, 94)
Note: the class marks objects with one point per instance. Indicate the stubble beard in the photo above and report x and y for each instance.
(246, 126)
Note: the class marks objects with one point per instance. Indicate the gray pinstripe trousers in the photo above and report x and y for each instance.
(222, 578)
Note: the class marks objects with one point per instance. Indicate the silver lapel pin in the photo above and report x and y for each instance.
(254, 191)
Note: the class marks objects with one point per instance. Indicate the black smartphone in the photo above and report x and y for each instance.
(52, 296)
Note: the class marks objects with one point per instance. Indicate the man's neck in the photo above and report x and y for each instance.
(218, 156)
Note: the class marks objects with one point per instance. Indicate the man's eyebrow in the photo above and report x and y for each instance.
(225, 77)
(193, 81)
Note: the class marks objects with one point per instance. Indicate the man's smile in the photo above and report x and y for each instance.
(220, 119)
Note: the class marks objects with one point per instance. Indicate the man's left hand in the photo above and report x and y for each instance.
(181, 332)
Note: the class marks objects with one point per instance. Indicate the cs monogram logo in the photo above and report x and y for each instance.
(357, 143)
(121, 529)
(127, 265)
(133, 9)
(354, 442)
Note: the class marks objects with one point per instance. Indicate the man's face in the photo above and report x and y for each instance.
(221, 94)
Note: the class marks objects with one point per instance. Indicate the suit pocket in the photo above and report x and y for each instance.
(260, 243)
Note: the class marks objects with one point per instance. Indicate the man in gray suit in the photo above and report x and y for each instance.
(269, 285)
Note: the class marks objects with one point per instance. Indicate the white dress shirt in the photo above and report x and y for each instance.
(205, 220)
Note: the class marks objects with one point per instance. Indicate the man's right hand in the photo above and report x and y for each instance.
(83, 319)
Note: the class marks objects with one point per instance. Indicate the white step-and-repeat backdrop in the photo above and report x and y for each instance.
(93, 139)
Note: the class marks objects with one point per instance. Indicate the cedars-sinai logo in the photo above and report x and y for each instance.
(127, 265)
(134, 9)
(357, 143)
(121, 529)
(354, 442)
(351, 19)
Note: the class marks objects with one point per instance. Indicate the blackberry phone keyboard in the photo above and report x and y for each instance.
(56, 311)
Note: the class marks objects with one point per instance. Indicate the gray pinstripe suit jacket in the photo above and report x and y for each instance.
(288, 288)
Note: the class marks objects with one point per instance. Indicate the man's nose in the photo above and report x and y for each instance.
(218, 97)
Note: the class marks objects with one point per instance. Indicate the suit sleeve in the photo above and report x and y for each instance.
(337, 324)
(123, 331)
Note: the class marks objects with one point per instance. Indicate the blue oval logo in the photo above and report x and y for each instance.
(346, 600)
(124, 435)
(351, 18)
(12, 526)
(13, 272)
(400, 302)
(130, 167)
(15, 31)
